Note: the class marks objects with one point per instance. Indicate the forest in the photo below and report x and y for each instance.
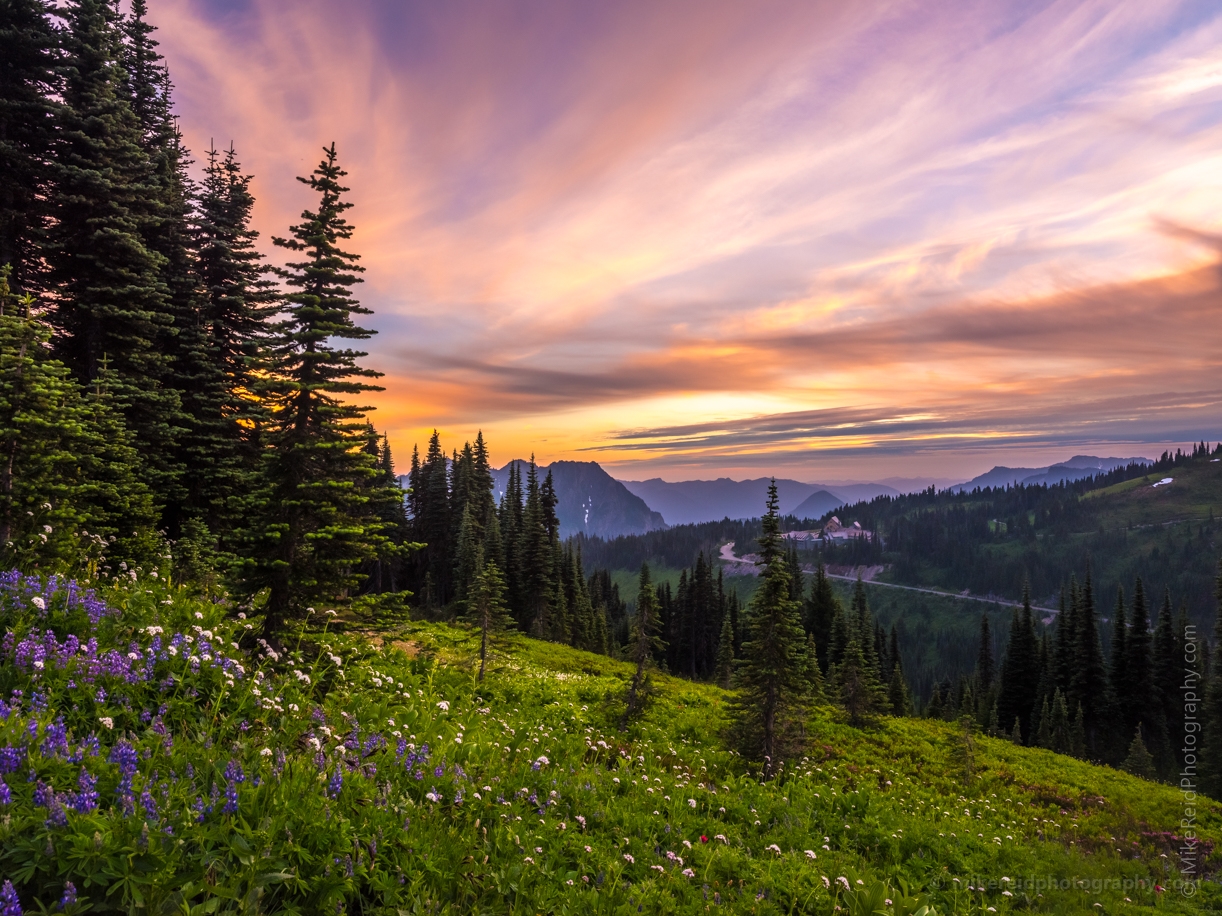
(191, 490)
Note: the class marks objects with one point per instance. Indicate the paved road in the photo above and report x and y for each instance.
(727, 555)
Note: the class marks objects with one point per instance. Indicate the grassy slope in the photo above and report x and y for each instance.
(521, 761)
(1195, 492)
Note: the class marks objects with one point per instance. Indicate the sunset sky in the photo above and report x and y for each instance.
(824, 240)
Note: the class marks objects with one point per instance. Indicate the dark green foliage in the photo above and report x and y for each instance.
(30, 80)
(114, 306)
(821, 608)
(772, 677)
(1139, 762)
(317, 523)
(1020, 670)
(1211, 747)
(984, 659)
(645, 641)
(71, 493)
(1088, 679)
(486, 609)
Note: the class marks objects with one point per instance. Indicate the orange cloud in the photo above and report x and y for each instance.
(584, 224)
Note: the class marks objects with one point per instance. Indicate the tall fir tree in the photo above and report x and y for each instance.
(1211, 744)
(317, 523)
(237, 305)
(1168, 673)
(486, 609)
(30, 85)
(984, 656)
(772, 677)
(1088, 682)
(113, 306)
(644, 643)
(71, 492)
(1019, 677)
(819, 612)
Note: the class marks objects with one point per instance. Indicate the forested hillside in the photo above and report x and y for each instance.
(244, 670)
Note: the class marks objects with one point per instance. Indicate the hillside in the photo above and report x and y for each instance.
(1079, 467)
(1120, 526)
(589, 500)
(358, 770)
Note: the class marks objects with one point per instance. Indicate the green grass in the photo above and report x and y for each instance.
(1194, 494)
(530, 800)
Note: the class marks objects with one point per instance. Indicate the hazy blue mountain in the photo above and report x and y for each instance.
(692, 501)
(590, 500)
(1076, 468)
(818, 504)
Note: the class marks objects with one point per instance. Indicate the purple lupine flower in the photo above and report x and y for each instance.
(439, 771)
(69, 896)
(231, 799)
(148, 803)
(278, 766)
(6, 794)
(55, 739)
(126, 757)
(234, 773)
(335, 784)
(9, 904)
(86, 799)
(12, 759)
(43, 795)
(56, 815)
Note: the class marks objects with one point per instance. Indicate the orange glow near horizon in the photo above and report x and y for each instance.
(700, 239)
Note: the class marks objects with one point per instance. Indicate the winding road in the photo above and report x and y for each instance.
(747, 567)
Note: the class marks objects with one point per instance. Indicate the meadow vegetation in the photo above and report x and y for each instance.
(158, 756)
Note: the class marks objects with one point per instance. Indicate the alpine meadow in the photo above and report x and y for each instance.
(658, 268)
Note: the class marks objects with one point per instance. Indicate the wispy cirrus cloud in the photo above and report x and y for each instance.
(582, 222)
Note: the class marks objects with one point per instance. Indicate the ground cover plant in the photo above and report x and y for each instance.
(157, 757)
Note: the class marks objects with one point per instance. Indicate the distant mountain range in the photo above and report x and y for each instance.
(589, 500)
(1076, 468)
(693, 501)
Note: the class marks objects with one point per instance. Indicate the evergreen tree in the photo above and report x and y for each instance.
(30, 82)
(1211, 745)
(1020, 673)
(820, 611)
(318, 523)
(486, 607)
(70, 485)
(1088, 681)
(114, 305)
(536, 556)
(468, 557)
(984, 658)
(432, 523)
(1118, 672)
(239, 301)
(1168, 672)
(645, 640)
(857, 685)
(770, 707)
(723, 674)
(1139, 762)
(898, 698)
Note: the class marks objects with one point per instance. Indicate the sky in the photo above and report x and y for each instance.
(694, 239)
